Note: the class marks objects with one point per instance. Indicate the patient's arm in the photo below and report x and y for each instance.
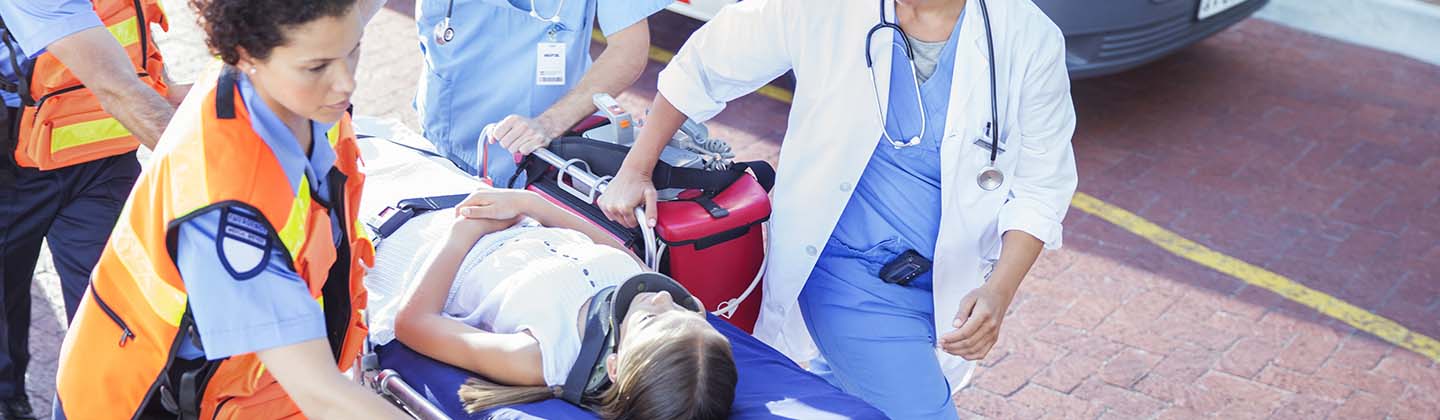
(496, 203)
(510, 359)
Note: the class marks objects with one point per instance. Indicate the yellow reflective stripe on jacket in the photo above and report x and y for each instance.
(361, 231)
(126, 31)
(83, 133)
(293, 235)
(165, 300)
(333, 135)
(189, 188)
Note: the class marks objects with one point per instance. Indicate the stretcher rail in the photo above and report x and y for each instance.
(391, 384)
(593, 187)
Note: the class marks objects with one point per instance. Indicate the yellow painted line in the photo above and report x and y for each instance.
(1331, 306)
(663, 56)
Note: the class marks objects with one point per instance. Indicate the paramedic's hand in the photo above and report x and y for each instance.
(522, 135)
(624, 193)
(978, 322)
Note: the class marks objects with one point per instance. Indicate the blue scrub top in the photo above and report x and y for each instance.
(243, 294)
(896, 203)
(34, 25)
(488, 71)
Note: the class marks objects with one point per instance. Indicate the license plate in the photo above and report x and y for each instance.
(1210, 8)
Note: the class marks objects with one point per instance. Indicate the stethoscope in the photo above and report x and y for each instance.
(444, 33)
(990, 177)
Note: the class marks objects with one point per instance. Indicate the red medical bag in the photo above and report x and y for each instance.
(710, 237)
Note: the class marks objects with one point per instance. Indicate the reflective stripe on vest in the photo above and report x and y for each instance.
(293, 235)
(164, 299)
(125, 31)
(87, 132)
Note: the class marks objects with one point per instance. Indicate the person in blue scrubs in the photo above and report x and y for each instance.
(75, 207)
(895, 207)
(523, 65)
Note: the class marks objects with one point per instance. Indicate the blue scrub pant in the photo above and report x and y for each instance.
(74, 208)
(876, 340)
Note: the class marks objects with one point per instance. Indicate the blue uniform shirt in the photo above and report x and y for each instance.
(488, 71)
(243, 294)
(896, 203)
(34, 24)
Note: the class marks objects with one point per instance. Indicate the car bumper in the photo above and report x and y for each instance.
(1094, 48)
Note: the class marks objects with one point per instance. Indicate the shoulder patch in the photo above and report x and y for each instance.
(243, 243)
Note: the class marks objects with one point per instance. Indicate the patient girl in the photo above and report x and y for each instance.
(506, 297)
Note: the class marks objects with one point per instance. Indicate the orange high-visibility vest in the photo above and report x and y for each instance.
(119, 351)
(62, 123)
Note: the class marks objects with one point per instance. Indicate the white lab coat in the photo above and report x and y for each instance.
(833, 127)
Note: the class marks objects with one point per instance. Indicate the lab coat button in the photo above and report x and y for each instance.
(845, 186)
(810, 249)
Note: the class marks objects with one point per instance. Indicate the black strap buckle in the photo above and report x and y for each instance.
(389, 220)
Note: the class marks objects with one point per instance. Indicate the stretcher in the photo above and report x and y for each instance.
(400, 165)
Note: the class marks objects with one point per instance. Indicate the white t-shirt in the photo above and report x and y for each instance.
(526, 278)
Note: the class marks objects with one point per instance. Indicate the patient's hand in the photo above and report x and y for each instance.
(465, 231)
(498, 204)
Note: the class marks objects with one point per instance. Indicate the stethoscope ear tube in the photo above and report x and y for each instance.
(990, 177)
(994, 90)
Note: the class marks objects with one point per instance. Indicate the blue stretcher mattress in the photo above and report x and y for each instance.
(771, 386)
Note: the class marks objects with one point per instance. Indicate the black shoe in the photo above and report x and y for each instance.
(17, 409)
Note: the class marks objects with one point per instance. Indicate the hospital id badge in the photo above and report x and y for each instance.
(550, 64)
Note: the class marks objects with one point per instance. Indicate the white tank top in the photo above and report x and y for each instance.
(526, 278)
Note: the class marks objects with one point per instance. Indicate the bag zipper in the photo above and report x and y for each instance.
(128, 335)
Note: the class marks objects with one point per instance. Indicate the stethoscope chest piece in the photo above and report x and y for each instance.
(444, 33)
(990, 178)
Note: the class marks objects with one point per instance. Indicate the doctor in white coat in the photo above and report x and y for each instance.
(882, 163)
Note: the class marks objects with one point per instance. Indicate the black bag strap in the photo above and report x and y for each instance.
(21, 86)
(592, 348)
(764, 173)
(604, 159)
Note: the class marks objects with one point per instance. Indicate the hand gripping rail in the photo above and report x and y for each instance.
(593, 186)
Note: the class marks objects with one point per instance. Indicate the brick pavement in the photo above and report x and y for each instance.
(1253, 143)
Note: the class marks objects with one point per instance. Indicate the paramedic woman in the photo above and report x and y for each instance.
(231, 286)
(523, 64)
(914, 181)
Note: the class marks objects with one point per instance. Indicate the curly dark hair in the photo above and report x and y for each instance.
(256, 25)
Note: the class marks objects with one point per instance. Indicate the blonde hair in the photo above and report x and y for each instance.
(685, 373)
